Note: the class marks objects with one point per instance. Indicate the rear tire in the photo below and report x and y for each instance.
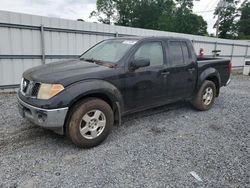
(205, 97)
(90, 122)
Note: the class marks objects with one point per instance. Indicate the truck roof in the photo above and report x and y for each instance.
(148, 37)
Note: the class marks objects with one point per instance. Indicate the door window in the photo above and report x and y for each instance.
(185, 51)
(152, 51)
(176, 54)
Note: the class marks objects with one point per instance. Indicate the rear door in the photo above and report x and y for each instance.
(182, 70)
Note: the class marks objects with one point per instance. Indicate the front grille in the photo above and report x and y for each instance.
(35, 89)
(30, 88)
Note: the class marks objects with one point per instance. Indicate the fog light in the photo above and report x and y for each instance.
(41, 117)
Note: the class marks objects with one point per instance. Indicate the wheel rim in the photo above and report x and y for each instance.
(208, 96)
(92, 124)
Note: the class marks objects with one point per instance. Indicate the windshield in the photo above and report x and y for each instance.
(110, 51)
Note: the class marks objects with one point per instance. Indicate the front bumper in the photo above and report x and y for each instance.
(48, 118)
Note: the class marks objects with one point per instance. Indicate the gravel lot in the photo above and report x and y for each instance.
(155, 148)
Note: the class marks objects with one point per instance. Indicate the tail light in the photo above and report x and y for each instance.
(201, 53)
(230, 68)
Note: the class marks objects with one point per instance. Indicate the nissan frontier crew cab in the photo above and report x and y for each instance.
(84, 98)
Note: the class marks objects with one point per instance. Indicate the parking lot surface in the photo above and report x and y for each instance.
(154, 148)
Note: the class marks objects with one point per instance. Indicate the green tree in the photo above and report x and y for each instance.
(125, 12)
(143, 13)
(147, 13)
(168, 15)
(191, 24)
(183, 20)
(244, 22)
(185, 4)
(228, 14)
(105, 11)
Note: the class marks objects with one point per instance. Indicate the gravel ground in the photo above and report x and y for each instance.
(155, 148)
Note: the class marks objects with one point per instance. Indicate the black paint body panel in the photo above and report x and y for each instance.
(134, 90)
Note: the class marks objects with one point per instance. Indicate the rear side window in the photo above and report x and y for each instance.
(185, 51)
(176, 55)
(152, 51)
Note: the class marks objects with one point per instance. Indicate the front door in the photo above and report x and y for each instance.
(144, 86)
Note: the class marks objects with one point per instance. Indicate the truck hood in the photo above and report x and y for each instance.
(64, 72)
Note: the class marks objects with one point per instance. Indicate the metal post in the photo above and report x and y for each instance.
(42, 44)
(116, 34)
(246, 52)
(232, 52)
(214, 52)
(215, 45)
(218, 25)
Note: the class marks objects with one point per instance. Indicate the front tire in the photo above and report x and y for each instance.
(205, 97)
(90, 122)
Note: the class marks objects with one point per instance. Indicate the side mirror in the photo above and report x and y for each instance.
(140, 62)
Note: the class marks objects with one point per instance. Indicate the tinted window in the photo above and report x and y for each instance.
(185, 52)
(152, 51)
(176, 53)
(109, 51)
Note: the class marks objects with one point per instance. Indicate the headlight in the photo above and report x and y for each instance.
(47, 91)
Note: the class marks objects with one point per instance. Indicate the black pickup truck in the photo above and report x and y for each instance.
(84, 98)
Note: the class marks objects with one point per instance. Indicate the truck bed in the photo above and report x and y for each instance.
(221, 65)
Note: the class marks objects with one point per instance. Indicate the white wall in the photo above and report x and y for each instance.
(73, 38)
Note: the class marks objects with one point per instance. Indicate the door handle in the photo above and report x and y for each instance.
(165, 73)
(191, 70)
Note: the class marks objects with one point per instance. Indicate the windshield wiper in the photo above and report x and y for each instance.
(88, 60)
(92, 60)
(99, 62)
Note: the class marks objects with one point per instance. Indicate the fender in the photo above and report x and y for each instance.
(76, 91)
(84, 88)
(208, 73)
(91, 88)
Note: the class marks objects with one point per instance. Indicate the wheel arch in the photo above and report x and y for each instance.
(215, 80)
(211, 74)
(101, 90)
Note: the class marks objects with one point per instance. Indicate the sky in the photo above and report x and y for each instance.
(75, 9)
